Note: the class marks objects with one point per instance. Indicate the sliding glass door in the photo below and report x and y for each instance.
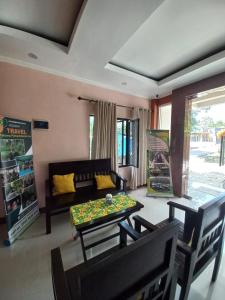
(203, 157)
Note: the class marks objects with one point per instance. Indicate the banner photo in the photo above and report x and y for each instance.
(17, 176)
(159, 182)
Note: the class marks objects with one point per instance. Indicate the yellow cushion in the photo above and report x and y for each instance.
(104, 182)
(63, 184)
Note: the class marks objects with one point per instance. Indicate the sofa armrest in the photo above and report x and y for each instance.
(180, 206)
(139, 221)
(127, 230)
(121, 183)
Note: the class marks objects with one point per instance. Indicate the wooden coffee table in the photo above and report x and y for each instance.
(94, 215)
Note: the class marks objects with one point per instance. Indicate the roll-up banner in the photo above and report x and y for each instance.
(17, 176)
(159, 181)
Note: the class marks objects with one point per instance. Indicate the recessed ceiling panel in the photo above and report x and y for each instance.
(177, 35)
(51, 19)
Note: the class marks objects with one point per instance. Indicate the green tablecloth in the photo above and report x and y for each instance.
(91, 210)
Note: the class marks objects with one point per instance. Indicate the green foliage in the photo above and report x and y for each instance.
(204, 122)
(194, 122)
(219, 124)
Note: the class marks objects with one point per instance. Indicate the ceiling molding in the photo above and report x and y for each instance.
(93, 53)
(131, 71)
(140, 74)
(24, 64)
(49, 19)
(113, 67)
(72, 37)
(166, 79)
(203, 63)
(29, 37)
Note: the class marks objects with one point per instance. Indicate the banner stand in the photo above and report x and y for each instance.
(17, 177)
(159, 181)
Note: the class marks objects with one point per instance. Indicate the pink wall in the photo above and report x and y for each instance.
(29, 94)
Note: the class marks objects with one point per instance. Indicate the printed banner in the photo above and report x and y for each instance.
(17, 176)
(159, 182)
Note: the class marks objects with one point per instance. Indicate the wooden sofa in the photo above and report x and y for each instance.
(85, 183)
(142, 270)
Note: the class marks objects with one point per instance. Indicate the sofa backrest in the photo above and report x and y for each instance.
(209, 228)
(143, 270)
(138, 270)
(84, 170)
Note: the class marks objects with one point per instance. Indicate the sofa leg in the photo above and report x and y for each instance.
(48, 223)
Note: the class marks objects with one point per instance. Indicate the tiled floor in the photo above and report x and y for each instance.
(25, 266)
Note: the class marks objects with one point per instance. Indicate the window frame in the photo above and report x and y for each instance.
(128, 127)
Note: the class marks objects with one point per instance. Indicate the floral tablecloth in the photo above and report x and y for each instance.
(82, 213)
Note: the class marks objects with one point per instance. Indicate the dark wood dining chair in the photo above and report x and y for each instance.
(200, 241)
(142, 270)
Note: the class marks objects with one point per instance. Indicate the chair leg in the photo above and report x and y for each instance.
(184, 291)
(216, 266)
(170, 294)
(48, 223)
(218, 259)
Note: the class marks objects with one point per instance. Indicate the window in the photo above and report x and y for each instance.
(164, 116)
(127, 142)
(91, 131)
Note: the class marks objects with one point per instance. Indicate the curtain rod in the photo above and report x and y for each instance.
(95, 101)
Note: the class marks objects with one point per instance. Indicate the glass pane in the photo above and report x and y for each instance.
(124, 142)
(91, 132)
(165, 116)
(131, 150)
(119, 142)
(204, 177)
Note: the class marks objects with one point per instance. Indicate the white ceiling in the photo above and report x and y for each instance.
(153, 46)
(45, 18)
(174, 37)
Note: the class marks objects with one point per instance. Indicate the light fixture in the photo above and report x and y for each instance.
(32, 55)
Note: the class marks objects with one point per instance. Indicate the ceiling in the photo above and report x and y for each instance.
(208, 98)
(45, 18)
(141, 47)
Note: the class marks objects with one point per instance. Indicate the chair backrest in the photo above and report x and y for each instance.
(209, 229)
(142, 270)
(59, 283)
(85, 170)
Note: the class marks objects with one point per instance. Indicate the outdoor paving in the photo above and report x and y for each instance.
(206, 179)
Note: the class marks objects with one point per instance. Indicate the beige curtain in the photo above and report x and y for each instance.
(104, 138)
(138, 175)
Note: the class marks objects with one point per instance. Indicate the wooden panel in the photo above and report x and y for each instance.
(154, 108)
(84, 169)
(157, 249)
(179, 97)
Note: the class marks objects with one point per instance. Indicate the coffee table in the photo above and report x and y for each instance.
(94, 215)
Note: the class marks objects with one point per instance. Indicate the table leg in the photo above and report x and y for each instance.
(82, 246)
(76, 235)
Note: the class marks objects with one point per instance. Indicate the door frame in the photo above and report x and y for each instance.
(178, 144)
